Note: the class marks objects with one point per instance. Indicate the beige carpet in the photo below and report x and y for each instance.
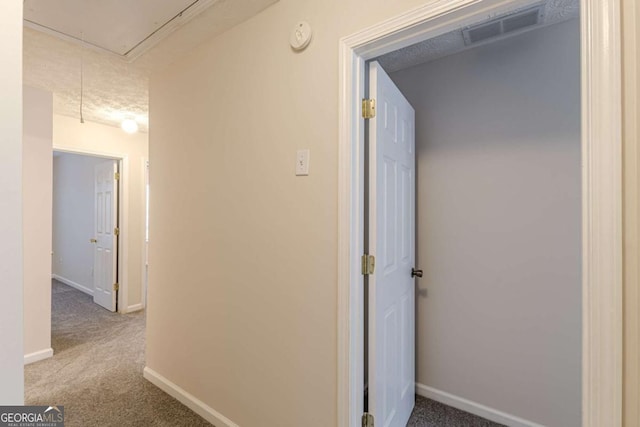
(96, 370)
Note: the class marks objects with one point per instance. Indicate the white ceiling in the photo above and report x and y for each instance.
(555, 11)
(124, 42)
(117, 26)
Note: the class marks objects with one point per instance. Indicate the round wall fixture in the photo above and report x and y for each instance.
(300, 36)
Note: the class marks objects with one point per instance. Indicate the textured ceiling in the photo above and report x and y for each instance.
(115, 89)
(555, 11)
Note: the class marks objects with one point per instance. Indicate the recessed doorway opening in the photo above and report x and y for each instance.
(599, 120)
(87, 225)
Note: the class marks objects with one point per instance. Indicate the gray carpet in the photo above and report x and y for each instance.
(96, 370)
(429, 413)
(96, 373)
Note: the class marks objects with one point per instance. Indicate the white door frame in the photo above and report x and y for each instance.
(145, 242)
(601, 192)
(123, 218)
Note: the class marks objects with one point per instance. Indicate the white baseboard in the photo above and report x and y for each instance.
(73, 284)
(193, 403)
(473, 407)
(38, 356)
(134, 307)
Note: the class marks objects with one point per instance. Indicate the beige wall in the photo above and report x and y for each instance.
(92, 138)
(11, 310)
(36, 175)
(243, 263)
(631, 74)
(242, 298)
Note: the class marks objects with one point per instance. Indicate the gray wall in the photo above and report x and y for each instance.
(73, 217)
(499, 224)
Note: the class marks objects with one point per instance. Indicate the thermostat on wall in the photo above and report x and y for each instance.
(301, 35)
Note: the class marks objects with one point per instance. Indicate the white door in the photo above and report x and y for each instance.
(105, 261)
(392, 242)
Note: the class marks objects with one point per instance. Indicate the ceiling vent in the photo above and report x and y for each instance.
(504, 25)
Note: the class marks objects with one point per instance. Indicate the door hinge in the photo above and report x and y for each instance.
(367, 420)
(368, 264)
(117, 176)
(116, 286)
(368, 108)
(116, 231)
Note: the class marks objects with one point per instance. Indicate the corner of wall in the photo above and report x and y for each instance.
(37, 172)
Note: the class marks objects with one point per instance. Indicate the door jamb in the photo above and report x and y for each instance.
(145, 242)
(123, 218)
(601, 66)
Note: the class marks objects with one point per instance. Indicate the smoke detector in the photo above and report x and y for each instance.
(505, 25)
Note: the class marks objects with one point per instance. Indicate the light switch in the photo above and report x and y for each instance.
(302, 163)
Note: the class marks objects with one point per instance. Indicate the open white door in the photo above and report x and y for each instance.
(392, 242)
(105, 261)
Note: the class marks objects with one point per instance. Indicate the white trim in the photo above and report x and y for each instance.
(123, 249)
(134, 308)
(87, 152)
(73, 284)
(38, 356)
(601, 183)
(350, 241)
(145, 270)
(602, 312)
(473, 407)
(193, 403)
(631, 109)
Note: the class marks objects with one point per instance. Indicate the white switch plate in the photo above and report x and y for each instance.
(302, 163)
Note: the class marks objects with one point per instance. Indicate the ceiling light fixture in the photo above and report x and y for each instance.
(129, 126)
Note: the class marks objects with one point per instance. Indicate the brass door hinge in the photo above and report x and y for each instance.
(116, 231)
(116, 286)
(117, 176)
(368, 264)
(368, 108)
(367, 420)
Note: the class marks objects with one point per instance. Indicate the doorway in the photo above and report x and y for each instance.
(600, 121)
(93, 345)
(87, 225)
(498, 220)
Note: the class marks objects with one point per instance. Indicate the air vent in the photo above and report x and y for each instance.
(504, 25)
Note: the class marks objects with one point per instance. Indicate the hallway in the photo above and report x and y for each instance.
(96, 370)
(96, 373)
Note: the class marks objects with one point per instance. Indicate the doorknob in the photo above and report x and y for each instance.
(93, 240)
(416, 273)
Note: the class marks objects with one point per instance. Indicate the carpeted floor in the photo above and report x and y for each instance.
(96, 370)
(96, 373)
(429, 413)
